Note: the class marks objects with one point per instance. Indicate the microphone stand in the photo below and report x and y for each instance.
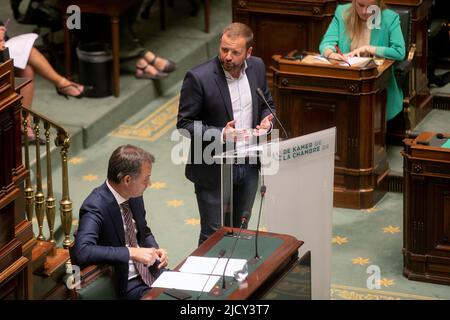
(263, 98)
(245, 217)
(257, 257)
(219, 256)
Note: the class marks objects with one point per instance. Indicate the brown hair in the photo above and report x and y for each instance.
(127, 160)
(237, 30)
(353, 22)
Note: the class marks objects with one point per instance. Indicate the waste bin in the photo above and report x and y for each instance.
(95, 65)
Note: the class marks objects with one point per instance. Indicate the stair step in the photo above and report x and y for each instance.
(55, 263)
(39, 254)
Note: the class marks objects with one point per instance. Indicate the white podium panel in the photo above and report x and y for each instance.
(299, 199)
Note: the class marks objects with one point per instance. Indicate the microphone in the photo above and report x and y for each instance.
(245, 217)
(263, 98)
(220, 255)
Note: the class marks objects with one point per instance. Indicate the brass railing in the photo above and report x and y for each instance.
(35, 199)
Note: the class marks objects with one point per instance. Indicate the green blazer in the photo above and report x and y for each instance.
(389, 43)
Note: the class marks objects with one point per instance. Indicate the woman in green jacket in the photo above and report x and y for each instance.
(357, 31)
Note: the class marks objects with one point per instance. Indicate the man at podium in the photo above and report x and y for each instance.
(366, 27)
(219, 103)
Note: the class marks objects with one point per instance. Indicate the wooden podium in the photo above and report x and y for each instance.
(312, 97)
(426, 220)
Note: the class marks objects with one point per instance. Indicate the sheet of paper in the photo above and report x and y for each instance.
(205, 265)
(356, 61)
(323, 59)
(20, 48)
(185, 281)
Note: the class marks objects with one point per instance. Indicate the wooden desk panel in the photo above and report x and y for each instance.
(15, 232)
(312, 97)
(426, 220)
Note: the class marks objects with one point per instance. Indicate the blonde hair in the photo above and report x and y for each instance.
(353, 24)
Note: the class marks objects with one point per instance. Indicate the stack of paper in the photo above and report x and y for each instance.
(194, 273)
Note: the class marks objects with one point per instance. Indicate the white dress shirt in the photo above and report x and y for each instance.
(132, 272)
(241, 102)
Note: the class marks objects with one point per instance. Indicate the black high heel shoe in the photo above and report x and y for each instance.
(62, 91)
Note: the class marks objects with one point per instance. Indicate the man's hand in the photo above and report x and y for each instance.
(264, 126)
(147, 256)
(163, 258)
(229, 131)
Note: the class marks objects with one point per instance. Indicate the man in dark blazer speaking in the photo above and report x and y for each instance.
(219, 104)
(112, 228)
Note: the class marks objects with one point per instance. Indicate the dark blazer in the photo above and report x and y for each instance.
(100, 238)
(205, 97)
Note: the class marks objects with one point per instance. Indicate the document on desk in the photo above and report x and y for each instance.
(185, 281)
(205, 265)
(351, 62)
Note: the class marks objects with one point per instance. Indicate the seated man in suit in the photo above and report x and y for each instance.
(112, 227)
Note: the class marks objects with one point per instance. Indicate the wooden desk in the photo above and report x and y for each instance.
(426, 220)
(266, 274)
(112, 8)
(312, 97)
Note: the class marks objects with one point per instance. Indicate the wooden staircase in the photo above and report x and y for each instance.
(49, 270)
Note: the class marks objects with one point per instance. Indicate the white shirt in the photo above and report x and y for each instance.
(132, 272)
(241, 101)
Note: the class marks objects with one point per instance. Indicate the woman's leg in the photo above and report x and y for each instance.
(28, 91)
(42, 67)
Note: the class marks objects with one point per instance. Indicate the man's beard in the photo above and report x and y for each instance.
(230, 67)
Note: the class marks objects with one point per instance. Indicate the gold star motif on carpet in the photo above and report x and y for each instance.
(339, 240)
(175, 203)
(90, 177)
(390, 229)
(158, 185)
(75, 160)
(386, 282)
(361, 261)
(192, 221)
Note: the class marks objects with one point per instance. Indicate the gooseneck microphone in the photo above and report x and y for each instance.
(220, 255)
(244, 219)
(263, 98)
